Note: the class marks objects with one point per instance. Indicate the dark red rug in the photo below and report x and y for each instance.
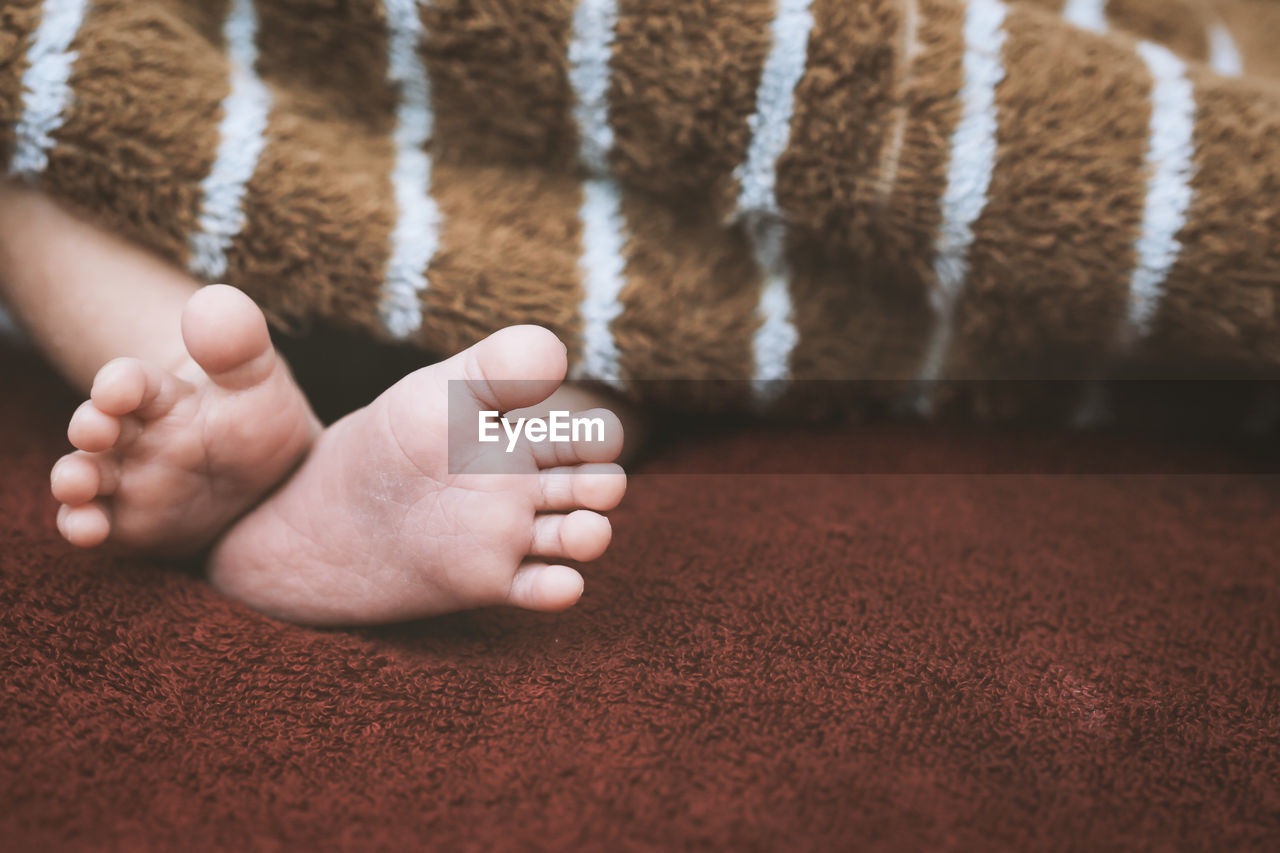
(876, 662)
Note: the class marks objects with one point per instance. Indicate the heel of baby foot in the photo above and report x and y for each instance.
(226, 334)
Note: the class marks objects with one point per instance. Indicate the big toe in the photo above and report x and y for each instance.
(226, 334)
(514, 367)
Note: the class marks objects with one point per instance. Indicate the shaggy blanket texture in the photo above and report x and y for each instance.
(760, 662)
(735, 189)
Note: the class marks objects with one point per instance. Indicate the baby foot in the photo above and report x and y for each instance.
(375, 527)
(168, 458)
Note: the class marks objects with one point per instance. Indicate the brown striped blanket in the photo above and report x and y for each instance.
(729, 189)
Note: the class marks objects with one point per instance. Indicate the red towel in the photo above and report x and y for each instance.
(767, 662)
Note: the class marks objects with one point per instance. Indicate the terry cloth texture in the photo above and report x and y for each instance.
(731, 189)
(760, 662)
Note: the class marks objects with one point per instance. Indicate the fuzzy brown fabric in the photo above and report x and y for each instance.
(760, 662)
(857, 215)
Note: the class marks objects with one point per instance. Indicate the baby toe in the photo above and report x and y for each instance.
(226, 334)
(92, 429)
(133, 386)
(79, 477)
(514, 367)
(538, 586)
(580, 535)
(595, 436)
(84, 526)
(119, 386)
(592, 486)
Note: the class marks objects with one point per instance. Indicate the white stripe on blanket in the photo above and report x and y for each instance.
(776, 336)
(770, 124)
(757, 203)
(1087, 14)
(1170, 149)
(46, 89)
(1224, 56)
(603, 267)
(241, 138)
(908, 51)
(969, 171)
(590, 52)
(604, 233)
(417, 232)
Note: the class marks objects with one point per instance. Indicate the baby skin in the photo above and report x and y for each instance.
(196, 439)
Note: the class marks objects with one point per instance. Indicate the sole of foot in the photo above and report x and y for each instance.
(379, 524)
(168, 458)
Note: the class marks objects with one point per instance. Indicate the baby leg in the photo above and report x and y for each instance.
(192, 415)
